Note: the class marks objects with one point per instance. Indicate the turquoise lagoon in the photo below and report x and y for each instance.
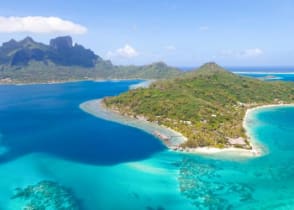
(45, 136)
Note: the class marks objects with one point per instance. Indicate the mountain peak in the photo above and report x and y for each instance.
(159, 63)
(27, 42)
(10, 43)
(28, 39)
(61, 42)
(208, 69)
(211, 68)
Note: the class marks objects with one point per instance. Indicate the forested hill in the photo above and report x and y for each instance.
(28, 61)
(206, 105)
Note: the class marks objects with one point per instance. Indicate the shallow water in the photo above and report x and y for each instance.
(276, 76)
(46, 136)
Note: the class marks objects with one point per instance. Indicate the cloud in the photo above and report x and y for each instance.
(247, 53)
(203, 28)
(170, 48)
(254, 52)
(227, 53)
(39, 24)
(125, 52)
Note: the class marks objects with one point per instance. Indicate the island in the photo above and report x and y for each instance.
(206, 106)
(27, 61)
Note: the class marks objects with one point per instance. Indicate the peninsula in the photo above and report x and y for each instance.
(207, 106)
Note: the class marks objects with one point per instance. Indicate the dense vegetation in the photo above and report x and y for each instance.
(28, 61)
(207, 105)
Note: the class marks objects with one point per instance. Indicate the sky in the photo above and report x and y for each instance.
(182, 33)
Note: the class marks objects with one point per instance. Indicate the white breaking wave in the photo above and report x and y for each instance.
(258, 72)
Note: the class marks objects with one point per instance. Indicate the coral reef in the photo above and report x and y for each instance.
(46, 195)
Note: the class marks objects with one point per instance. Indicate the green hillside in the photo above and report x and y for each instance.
(207, 105)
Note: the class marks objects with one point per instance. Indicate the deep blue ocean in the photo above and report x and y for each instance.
(46, 118)
(45, 136)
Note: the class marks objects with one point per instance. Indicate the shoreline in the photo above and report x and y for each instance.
(256, 145)
(16, 83)
(73, 81)
(258, 149)
(96, 108)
